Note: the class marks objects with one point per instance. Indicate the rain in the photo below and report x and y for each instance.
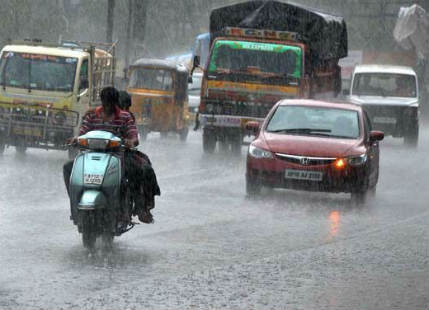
(252, 214)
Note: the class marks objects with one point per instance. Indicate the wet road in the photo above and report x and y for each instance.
(213, 248)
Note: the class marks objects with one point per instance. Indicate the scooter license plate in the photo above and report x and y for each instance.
(96, 179)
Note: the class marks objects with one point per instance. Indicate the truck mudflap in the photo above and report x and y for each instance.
(226, 120)
(37, 127)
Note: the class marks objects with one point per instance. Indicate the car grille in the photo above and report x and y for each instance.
(389, 111)
(239, 108)
(305, 160)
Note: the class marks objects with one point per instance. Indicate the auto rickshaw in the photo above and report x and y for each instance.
(159, 96)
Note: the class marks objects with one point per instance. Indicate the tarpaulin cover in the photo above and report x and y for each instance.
(326, 35)
(412, 29)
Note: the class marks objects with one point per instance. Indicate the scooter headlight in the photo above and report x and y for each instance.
(259, 153)
(97, 144)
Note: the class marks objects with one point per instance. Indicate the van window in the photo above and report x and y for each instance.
(384, 84)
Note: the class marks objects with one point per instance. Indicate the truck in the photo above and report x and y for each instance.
(261, 52)
(45, 88)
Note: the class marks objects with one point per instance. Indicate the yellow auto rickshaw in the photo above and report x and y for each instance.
(159, 96)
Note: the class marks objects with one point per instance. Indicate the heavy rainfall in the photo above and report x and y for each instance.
(289, 142)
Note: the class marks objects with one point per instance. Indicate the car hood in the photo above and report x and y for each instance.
(311, 146)
(378, 100)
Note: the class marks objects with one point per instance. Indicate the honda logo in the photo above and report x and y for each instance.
(304, 161)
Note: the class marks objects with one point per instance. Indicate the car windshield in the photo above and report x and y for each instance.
(299, 120)
(158, 79)
(254, 59)
(384, 84)
(38, 71)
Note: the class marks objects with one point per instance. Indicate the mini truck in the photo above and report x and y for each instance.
(261, 52)
(46, 88)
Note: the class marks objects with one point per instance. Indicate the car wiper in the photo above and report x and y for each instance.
(318, 131)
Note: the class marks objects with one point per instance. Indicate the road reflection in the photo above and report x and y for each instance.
(334, 221)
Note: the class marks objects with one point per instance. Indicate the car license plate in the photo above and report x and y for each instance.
(96, 179)
(26, 131)
(384, 120)
(303, 175)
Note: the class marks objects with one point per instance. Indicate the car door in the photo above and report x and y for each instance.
(373, 151)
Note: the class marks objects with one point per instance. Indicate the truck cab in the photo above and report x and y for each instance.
(45, 89)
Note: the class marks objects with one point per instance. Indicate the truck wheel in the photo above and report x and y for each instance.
(184, 133)
(236, 141)
(411, 137)
(88, 234)
(20, 149)
(143, 132)
(224, 144)
(253, 187)
(209, 141)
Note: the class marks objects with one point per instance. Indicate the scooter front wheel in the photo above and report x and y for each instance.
(88, 234)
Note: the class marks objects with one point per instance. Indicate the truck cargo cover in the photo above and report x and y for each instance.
(326, 35)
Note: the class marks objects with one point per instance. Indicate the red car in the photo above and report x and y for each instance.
(315, 146)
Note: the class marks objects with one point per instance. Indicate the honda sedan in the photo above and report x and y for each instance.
(315, 146)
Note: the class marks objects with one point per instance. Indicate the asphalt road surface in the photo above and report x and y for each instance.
(213, 248)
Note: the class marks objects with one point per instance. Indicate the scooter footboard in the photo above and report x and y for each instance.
(92, 200)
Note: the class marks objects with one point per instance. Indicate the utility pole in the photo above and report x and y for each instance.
(110, 15)
(129, 28)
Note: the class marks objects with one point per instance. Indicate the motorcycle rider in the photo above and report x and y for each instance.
(111, 118)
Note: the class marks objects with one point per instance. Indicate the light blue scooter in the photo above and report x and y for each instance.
(101, 203)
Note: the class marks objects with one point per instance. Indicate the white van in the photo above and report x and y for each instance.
(390, 96)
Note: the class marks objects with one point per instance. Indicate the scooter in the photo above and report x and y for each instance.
(100, 199)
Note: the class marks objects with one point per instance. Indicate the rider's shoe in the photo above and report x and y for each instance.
(145, 216)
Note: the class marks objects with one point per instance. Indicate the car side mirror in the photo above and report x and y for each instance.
(253, 127)
(376, 135)
(196, 61)
(190, 81)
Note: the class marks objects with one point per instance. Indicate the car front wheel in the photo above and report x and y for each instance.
(253, 187)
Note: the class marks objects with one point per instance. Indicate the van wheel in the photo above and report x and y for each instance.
(209, 141)
(411, 137)
(183, 134)
(358, 198)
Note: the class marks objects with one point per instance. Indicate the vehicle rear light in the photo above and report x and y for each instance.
(113, 144)
(340, 163)
(83, 142)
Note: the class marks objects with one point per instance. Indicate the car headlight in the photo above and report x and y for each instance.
(357, 160)
(259, 153)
